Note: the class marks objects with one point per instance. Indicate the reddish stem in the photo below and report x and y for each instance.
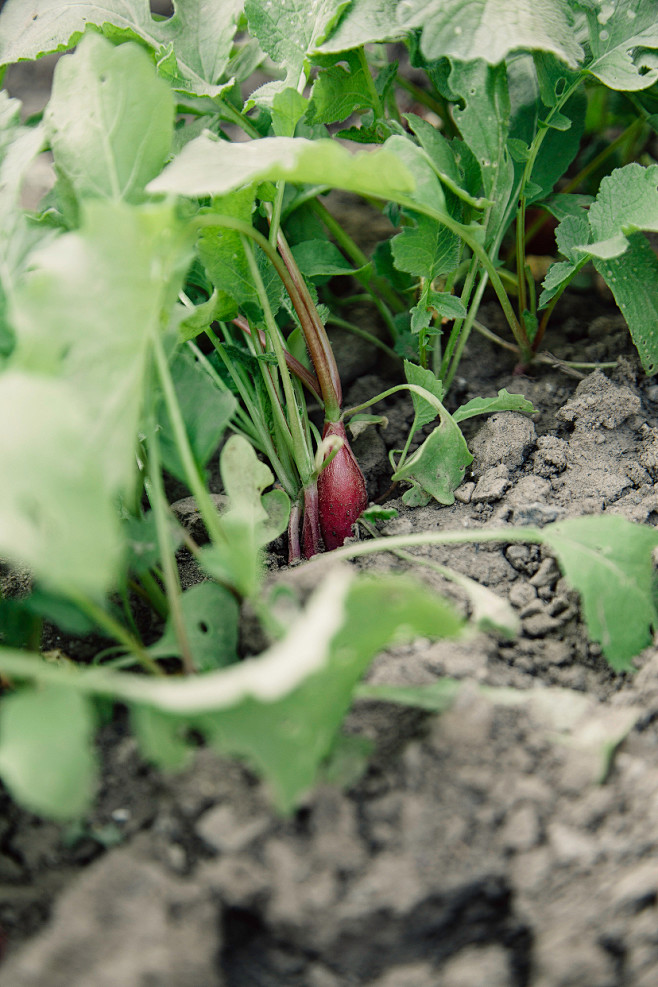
(308, 379)
(311, 536)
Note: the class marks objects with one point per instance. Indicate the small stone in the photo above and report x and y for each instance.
(464, 493)
(523, 558)
(551, 455)
(547, 573)
(521, 594)
(492, 485)
(540, 625)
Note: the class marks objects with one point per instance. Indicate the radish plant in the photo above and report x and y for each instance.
(169, 296)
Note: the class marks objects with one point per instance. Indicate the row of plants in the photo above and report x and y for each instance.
(172, 295)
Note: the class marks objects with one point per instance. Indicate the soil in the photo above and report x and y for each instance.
(509, 842)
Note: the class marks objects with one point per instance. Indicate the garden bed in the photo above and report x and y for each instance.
(505, 841)
(487, 813)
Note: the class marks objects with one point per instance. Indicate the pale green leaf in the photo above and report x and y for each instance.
(56, 514)
(88, 311)
(484, 121)
(633, 280)
(491, 29)
(109, 120)
(207, 166)
(609, 561)
(288, 31)
(504, 401)
(624, 44)
(251, 520)
(161, 737)
(210, 616)
(362, 22)
(434, 698)
(572, 236)
(627, 201)
(427, 250)
(424, 411)
(47, 758)
(288, 107)
(194, 44)
(317, 258)
(439, 464)
(339, 91)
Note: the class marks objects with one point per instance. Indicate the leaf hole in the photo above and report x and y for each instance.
(203, 627)
(559, 86)
(162, 8)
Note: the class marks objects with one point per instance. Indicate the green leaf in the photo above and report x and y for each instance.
(87, 312)
(206, 411)
(572, 237)
(633, 280)
(434, 698)
(287, 739)
(250, 521)
(57, 516)
(424, 411)
(109, 121)
(439, 464)
(427, 250)
(562, 204)
(210, 615)
(341, 90)
(193, 45)
(623, 38)
(320, 258)
(362, 22)
(491, 29)
(47, 758)
(289, 32)
(18, 147)
(608, 560)
(504, 401)
(442, 156)
(223, 256)
(288, 107)
(211, 167)
(484, 124)
(161, 737)
(627, 201)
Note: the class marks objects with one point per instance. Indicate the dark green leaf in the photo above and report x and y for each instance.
(206, 412)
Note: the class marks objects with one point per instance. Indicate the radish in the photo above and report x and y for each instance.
(342, 491)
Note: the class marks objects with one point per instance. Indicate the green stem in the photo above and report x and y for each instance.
(115, 630)
(301, 452)
(315, 335)
(335, 320)
(155, 491)
(370, 84)
(229, 112)
(204, 502)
